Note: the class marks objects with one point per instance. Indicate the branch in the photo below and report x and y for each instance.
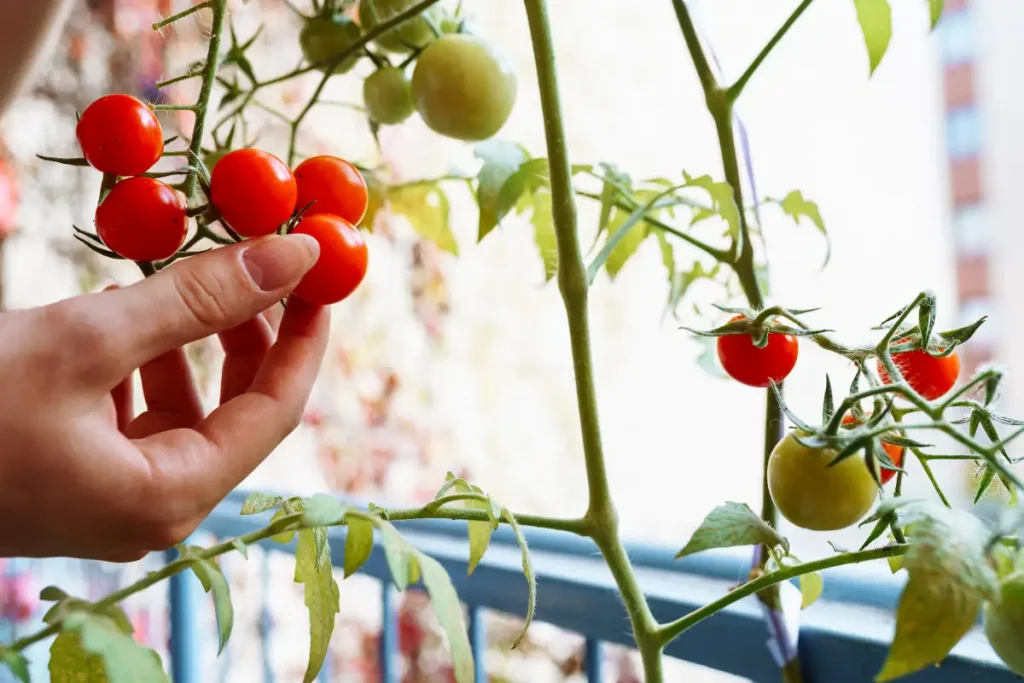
(580, 527)
(736, 88)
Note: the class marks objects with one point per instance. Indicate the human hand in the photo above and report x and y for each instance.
(80, 474)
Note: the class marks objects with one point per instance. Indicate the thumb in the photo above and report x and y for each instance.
(205, 294)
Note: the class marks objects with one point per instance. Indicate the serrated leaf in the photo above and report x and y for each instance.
(949, 580)
(796, 207)
(935, 8)
(531, 577)
(544, 233)
(499, 182)
(260, 502)
(322, 598)
(449, 614)
(16, 664)
(322, 510)
(811, 588)
(875, 19)
(96, 646)
(284, 536)
(425, 206)
(358, 544)
(730, 525)
(723, 200)
(213, 581)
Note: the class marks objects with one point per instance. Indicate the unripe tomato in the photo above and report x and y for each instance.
(927, 375)
(120, 134)
(142, 219)
(253, 190)
(211, 158)
(342, 263)
(894, 452)
(387, 95)
(333, 186)
(812, 495)
(324, 38)
(463, 88)
(412, 34)
(746, 363)
(1004, 622)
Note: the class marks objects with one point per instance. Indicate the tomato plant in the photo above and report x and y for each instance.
(142, 219)
(119, 134)
(894, 452)
(387, 95)
(412, 35)
(254, 191)
(342, 263)
(815, 494)
(325, 37)
(331, 185)
(753, 366)
(931, 376)
(1004, 622)
(463, 88)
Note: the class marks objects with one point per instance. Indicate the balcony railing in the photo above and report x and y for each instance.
(843, 638)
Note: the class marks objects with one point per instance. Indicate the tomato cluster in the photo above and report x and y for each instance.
(253, 192)
(461, 86)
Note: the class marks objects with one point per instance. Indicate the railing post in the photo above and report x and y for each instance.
(388, 636)
(478, 641)
(185, 594)
(265, 617)
(592, 661)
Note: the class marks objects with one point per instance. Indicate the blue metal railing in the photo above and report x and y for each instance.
(843, 638)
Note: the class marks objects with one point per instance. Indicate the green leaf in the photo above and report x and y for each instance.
(827, 404)
(811, 587)
(949, 580)
(730, 525)
(796, 207)
(544, 233)
(117, 615)
(213, 581)
(260, 502)
(322, 599)
(449, 615)
(613, 182)
(52, 594)
(723, 200)
(96, 646)
(479, 532)
(875, 19)
(935, 8)
(16, 663)
(499, 183)
(284, 536)
(239, 545)
(322, 510)
(358, 544)
(531, 576)
(426, 208)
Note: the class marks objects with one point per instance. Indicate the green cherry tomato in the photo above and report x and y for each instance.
(1004, 622)
(463, 88)
(324, 38)
(812, 495)
(387, 95)
(413, 34)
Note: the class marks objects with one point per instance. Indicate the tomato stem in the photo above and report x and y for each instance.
(736, 88)
(184, 13)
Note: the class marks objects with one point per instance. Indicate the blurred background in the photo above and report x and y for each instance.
(461, 363)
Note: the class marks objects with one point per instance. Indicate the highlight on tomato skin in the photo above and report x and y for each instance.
(928, 375)
(331, 185)
(342, 263)
(254, 191)
(894, 452)
(142, 219)
(120, 134)
(749, 365)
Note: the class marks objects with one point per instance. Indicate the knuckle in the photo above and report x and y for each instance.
(203, 295)
(85, 346)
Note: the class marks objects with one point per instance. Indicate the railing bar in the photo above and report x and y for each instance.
(592, 661)
(265, 618)
(388, 636)
(478, 641)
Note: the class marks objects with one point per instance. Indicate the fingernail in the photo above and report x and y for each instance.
(274, 262)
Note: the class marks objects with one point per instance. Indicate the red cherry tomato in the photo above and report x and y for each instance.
(253, 190)
(342, 263)
(334, 186)
(894, 452)
(750, 365)
(142, 219)
(120, 134)
(927, 375)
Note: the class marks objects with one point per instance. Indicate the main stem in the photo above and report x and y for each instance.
(573, 285)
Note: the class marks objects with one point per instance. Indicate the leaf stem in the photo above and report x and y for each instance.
(580, 526)
(736, 88)
(184, 13)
